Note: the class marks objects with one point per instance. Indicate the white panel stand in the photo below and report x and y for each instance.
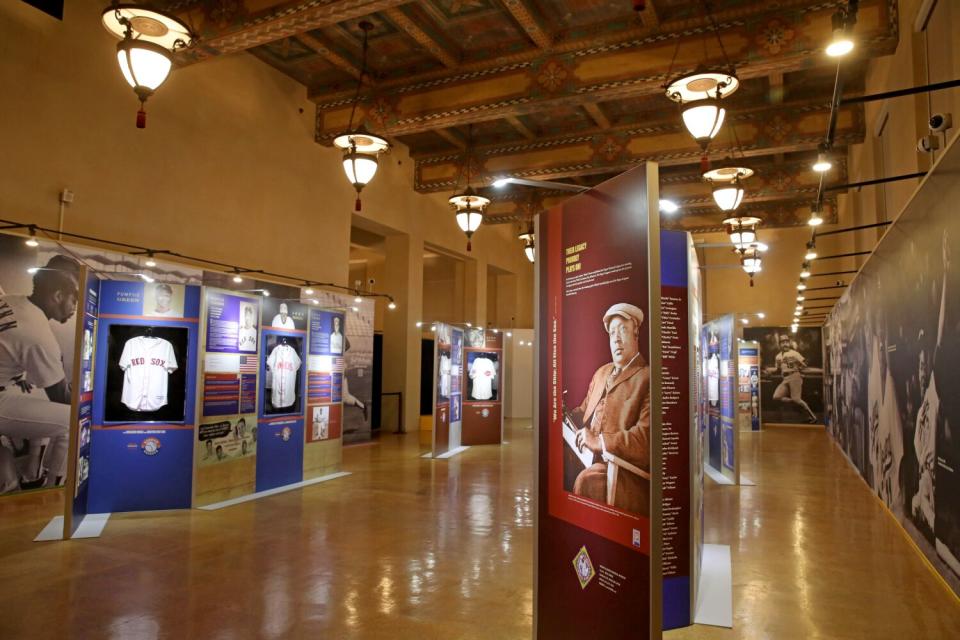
(273, 492)
(90, 527)
(715, 596)
(716, 476)
(448, 454)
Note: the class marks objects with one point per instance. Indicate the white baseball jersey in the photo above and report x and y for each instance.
(280, 323)
(445, 375)
(336, 342)
(713, 379)
(483, 372)
(790, 361)
(29, 352)
(147, 364)
(248, 339)
(284, 363)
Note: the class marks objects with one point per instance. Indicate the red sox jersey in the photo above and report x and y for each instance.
(482, 372)
(147, 364)
(284, 363)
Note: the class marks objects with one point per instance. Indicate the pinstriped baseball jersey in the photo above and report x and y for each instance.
(147, 364)
(284, 363)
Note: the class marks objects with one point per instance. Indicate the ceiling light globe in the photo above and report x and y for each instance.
(469, 220)
(728, 197)
(360, 167)
(841, 45)
(815, 220)
(530, 252)
(703, 119)
(144, 65)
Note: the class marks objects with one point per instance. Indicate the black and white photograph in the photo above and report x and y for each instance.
(247, 335)
(474, 337)
(146, 374)
(791, 374)
(39, 288)
(163, 300)
(893, 339)
(284, 314)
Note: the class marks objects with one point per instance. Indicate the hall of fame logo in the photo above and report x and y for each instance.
(485, 413)
(150, 446)
(285, 433)
(584, 567)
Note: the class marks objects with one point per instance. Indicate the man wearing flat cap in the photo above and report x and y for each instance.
(615, 416)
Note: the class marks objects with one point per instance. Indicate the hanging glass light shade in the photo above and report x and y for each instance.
(361, 149)
(725, 181)
(529, 247)
(469, 206)
(699, 95)
(742, 231)
(148, 40)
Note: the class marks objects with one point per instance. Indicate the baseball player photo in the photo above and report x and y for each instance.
(162, 300)
(475, 337)
(336, 337)
(790, 364)
(321, 423)
(34, 392)
(247, 337)
(284, 364)
(283, 320)
(613, 420)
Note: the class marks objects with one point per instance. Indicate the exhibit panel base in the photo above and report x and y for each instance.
(446, 454)
(715, 596)
(272, 492)
(91, 526)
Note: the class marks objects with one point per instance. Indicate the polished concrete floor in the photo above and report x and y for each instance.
(413, 548)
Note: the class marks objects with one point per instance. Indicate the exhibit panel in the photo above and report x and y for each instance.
(894, 341)
(226, 443)
(144, 385)
(323, 436)
(447, 389)
(748, 385)
(76, 504)
(483, 386)
(722, 431)
(598, 415)
(697, 416)
(791, 376)
(679, 431)
(280, 436)
(38, 327)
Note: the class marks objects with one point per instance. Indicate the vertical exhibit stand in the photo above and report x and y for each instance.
(447, 391)
(325, 374)
(280, 439)
(144, 384)
(598, 416)
(748, 385)
(483, 387)
(227, 414)
(722, 432)
(682, 484)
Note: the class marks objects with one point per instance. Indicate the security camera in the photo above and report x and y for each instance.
(940, 122)
(371, 282)
(928, 144)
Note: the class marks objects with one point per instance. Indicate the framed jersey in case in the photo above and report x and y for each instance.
(146, 374)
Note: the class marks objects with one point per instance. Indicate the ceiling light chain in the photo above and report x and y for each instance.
(468, 204)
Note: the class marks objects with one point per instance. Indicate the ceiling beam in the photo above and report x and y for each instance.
(249, 23)
(452, 138)
(596, 113)
(412, 29)
(593, 72)
(761, 131)
(524, 16)
(327, 52)
(521, 128)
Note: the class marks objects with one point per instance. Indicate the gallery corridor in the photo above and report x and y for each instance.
(411, 548)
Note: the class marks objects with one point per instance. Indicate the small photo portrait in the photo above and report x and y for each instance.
(321, 423)
(247, 335)
(336, 336)
(162, 300)
(475, 337)
(87, 381)
(87, 345)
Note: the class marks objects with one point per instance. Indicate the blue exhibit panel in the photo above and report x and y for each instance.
(279, 452)
(143, 465)
(280, 437)
(676, 602)
(141, 470)
(673, 258)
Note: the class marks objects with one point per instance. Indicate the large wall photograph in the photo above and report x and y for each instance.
(791, 374)
(894, 341)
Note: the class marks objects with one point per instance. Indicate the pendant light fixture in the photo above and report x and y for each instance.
(725, 182)
(527, 237)
(742, 231)
(699, 95)
(468, 204)
(148, 40)
(361, 149)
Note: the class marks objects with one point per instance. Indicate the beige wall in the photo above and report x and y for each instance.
(226, 169)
